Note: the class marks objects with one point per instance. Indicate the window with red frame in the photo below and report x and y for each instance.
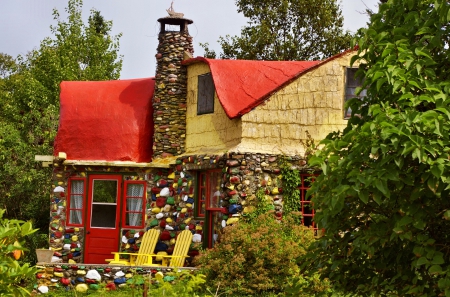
(77, 197)
(209, 191)
(202, 190)
(210, 196)
(134, 196)
(305, 203)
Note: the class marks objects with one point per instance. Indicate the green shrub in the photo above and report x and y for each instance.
(178, 284)
(256, 256)
(12, 273)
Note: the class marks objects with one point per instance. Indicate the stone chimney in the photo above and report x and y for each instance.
(169, 103)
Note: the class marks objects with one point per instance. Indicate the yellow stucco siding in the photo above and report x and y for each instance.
(313, 103)
(208, 132)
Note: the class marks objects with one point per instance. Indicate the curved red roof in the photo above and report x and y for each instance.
(243, 84)
(106, 120)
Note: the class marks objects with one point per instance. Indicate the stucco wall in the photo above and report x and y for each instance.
(313, 103)
(208, 132)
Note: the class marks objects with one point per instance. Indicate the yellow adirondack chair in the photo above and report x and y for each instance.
(179, 255)
(145, 252)
(180, 252)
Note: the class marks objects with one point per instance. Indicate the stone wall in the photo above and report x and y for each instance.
(92, 277)
(169, 102)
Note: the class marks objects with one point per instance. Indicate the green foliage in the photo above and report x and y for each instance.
(291, 181)
(287, 30)
(29, 104)
(179, 284)
(12, 273)
(262, 206)
(7, 65)
(255, 257)
(383, 194)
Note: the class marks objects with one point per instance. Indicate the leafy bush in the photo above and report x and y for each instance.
(178, 284)
(256, 256)
(12, 273)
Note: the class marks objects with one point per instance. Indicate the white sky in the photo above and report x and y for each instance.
(24, 23)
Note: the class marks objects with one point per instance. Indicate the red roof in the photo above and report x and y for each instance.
(106, 120)
(243, 84)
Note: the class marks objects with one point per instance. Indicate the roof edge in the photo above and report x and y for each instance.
(256, 103)
(301, 73)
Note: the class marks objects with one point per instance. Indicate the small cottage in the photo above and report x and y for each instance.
(187, 149)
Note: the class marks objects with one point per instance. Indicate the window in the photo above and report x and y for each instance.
(206, 91)
(134, 204)
(210, 204)
(105, 194)
(209, 191)
(202, 190)
(76, 196)
(352, 83)
(305, 203)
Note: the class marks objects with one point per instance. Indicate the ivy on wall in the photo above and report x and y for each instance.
(291, 181)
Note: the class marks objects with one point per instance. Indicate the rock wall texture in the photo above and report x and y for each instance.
(85, 278)
(169, 102)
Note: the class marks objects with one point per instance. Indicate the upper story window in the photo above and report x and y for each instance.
(206, 91)
(351, 84)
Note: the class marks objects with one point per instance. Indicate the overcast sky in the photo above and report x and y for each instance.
(24, 23)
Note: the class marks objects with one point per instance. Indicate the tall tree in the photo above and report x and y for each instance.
(287, 30)
(383, 196)
(29, 104)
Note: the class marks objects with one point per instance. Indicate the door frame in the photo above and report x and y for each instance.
(104, 232)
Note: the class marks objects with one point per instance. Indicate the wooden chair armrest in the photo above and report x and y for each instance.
(117, 256)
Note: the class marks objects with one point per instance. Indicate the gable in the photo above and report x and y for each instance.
(243, 84)
(106, 120)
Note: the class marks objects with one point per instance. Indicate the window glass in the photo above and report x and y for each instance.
(206, 91)
(135, 197)
(202, 190)
(76, 202)
(352, 83)
(105, 191)
(104, 203)
(215, 191)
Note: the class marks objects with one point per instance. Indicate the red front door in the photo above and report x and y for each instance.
(103, 216)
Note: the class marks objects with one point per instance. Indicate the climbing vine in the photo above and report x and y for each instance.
(291, 181)
(262, 205)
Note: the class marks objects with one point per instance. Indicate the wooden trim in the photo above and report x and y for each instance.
(43, 158)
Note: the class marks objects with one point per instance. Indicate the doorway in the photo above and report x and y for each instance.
(103, 217)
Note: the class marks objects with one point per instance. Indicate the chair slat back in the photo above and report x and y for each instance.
(148, 245)
(182, 245)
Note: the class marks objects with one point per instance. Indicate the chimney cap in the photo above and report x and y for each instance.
(173, 20)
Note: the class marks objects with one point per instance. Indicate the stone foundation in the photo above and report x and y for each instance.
(91, 277)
